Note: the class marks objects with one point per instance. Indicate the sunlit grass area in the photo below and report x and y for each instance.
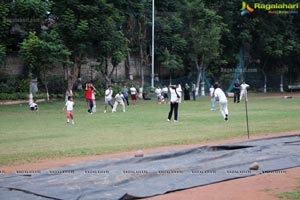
(27, 136)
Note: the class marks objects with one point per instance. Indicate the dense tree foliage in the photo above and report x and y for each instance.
(191, 36)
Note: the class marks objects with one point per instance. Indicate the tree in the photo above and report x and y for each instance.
(89, 30)
(170, 43)
(134, 26)
(4, 27)
(41, 55)
(204, 33)
(24, 17)
(172, 62)
(114, 49)
(274, 40)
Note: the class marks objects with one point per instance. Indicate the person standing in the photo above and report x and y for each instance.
(119, 99)
(194, 91)
(165, 93)
(221, 97)
(89, 88)
(125, 94)
(133, 94)
(237, 91)
(244, 87)
(186, 92)
(94, 101)
(108, 98)
(212, 97)
(174, 103)
(158, 92)
(69, 106)
(179, 91)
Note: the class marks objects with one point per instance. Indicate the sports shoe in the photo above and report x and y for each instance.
(175, 121)
(168, 120)
(226, 117)
(104, 111)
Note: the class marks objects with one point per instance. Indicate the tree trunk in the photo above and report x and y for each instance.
(73, 72)
(46, 84)
(127, 65)
(141, 55)
(142, 65)
(47, 91)
(202, 83)
(199, 78)
(281, 83)
(265, 81)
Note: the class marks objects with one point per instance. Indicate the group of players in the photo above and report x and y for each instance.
(175, 91)
(113, 101)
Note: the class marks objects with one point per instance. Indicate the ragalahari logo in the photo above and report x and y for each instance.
(246, 9)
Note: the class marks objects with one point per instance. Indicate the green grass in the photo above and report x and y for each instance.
(294, 195)
(27, 136)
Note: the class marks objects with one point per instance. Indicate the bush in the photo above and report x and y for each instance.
(25, 96)
(24, 85)
(78, 95)
(13, 96)
(10, 85)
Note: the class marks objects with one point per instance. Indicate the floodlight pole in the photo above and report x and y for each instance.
(152, 59)
(246, 108)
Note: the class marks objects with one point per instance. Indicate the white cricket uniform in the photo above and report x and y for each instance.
(220, 95)
(119, 100)
(179, 91)
(211, 92)
(244, 87)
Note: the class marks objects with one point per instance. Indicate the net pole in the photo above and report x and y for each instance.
(246, 109)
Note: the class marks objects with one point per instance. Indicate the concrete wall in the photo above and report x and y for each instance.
(14, 66)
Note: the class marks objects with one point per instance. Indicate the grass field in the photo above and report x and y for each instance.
(27, 136)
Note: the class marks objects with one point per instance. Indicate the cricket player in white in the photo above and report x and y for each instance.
(244, 87)
(108, 98)
(119, 99)
(221, 97)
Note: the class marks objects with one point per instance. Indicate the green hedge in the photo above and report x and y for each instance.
(24, 95)
(13, 96)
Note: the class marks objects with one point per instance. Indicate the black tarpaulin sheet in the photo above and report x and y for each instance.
(153, 174)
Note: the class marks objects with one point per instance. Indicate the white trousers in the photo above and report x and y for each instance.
(243, 93)
(223, 109)
(116, 104)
